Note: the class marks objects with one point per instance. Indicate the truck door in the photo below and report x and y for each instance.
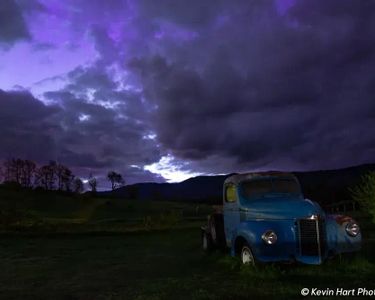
(231, 212)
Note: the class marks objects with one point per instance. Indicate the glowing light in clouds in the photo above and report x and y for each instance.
(171, 169)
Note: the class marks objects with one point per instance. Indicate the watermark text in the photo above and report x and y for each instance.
(342, 292)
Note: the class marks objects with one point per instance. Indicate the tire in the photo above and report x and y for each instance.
(207, 244)
(246, 255)
(216, 229)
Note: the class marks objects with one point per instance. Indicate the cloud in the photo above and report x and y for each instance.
(31, 6)
(265, 89)
(12, 24)
(220, 86)
(193, 14)
(26, 124)
(101, 142)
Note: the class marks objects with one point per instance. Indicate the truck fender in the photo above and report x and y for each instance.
(338, 241)
(251, 233)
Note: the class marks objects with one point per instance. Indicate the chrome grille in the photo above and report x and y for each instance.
(311, 237)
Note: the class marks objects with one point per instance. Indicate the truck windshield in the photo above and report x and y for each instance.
(262, 187)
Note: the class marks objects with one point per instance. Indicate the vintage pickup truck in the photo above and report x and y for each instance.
(265, 218)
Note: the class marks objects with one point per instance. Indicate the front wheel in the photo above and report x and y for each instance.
(216, 230)
(207, 244)
(247, 257)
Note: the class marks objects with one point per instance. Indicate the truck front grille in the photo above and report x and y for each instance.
(311, 237)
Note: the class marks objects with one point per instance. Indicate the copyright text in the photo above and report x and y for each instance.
(338, 292)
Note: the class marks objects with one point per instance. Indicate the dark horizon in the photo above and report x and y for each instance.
(162, 92)
(102, 184)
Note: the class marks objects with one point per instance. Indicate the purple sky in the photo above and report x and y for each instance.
(167, 89)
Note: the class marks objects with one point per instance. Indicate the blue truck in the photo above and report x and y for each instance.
(265, 218)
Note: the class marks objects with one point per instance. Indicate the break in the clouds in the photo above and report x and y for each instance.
(175, 88)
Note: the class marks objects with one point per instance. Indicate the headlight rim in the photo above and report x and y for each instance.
(348, 230)
(266, 235)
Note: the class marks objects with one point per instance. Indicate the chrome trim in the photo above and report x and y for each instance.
(299, 237)
(318, 239)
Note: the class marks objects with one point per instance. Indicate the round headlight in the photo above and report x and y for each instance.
(352, 229)
(269, 237)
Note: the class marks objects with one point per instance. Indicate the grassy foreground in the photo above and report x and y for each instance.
(155, 265)
(58, 247)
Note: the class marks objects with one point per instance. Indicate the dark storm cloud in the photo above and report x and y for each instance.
(267, 89)
(105, 125)
(109, 134)
(94, 77)
(85, 136)
(26, 124)
(193, 13)
(12, 24)
(104, 45)
(222, 85)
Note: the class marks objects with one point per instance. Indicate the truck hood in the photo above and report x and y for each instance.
(280, 208)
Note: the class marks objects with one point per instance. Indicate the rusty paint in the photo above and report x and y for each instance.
(341, 219)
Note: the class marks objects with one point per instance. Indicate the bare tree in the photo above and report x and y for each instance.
(77, 185)
(115, 179)
(67, 179)
(17, 169)
(13, 170)
(46, 177)
(59, 171)
(7, 171)
(27, 173)
(92, 183)
(64, 176)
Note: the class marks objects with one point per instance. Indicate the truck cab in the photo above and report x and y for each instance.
(265, 218)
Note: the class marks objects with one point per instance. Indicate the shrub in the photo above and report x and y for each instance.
(364, 193)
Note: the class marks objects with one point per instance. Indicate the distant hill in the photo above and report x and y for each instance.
(206, 189)
(325, 187)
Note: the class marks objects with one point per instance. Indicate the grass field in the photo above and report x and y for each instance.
(28, 211)
(155, 265)
(56, 247)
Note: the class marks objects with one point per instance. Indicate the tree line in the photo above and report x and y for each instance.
(52, 176)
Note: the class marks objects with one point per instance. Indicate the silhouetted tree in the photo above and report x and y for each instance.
(27, 172)
(92, 183)
(13, 170)
(64, 177)
(19, 171)
(77, 185)
(115, 179)
(45, 176)
(8, 170)
(67, 179)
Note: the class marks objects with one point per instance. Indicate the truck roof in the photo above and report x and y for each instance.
(252, 175)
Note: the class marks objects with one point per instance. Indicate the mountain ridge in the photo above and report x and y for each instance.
(323, 186)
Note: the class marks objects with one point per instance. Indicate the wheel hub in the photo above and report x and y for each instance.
(247, 257)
